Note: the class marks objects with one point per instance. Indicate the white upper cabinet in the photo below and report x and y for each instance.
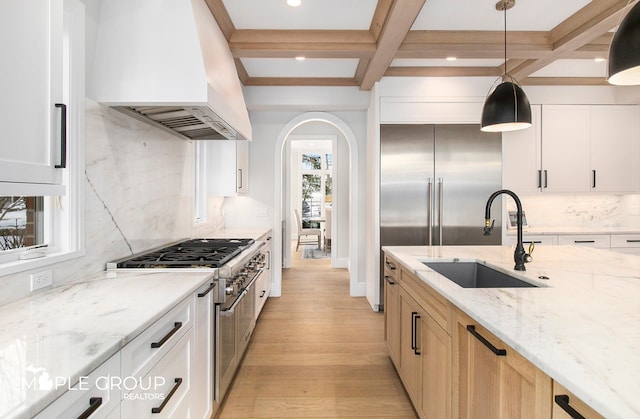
(227, 167)
(565, 148)
(574, 149)
(615, 132)
(521, 156)
(31, 85)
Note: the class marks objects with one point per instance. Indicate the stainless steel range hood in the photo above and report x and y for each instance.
(166, 62)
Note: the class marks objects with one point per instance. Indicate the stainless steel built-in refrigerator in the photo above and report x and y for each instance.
(434, 184)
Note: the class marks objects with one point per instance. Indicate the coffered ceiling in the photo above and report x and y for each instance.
(357, 42)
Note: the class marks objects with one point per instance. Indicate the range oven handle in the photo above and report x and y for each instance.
(229, 311)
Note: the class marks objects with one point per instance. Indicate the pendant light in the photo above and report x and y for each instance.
(624, 52)
(506, 108)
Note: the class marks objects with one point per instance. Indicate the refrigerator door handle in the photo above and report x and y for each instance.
(430, 210)
(440, 208)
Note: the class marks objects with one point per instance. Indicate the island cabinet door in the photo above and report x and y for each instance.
(411, 318)
(495, 381)
(392, 318)
(568, 406)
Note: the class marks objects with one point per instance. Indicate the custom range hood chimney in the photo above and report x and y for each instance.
(166, 62)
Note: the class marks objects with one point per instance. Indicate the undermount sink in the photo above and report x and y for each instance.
(476, 275)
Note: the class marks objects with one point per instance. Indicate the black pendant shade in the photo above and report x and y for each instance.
(624, 53)
(507, 108)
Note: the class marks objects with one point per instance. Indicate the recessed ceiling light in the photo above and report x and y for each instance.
(451, 58)
(301, 58)
(599, 59)
(294, 3)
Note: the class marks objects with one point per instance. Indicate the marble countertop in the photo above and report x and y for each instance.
(70, 330)
(580, 326)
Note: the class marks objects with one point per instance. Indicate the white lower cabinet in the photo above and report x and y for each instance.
(93, 395)
(202, 377)
(164, 392)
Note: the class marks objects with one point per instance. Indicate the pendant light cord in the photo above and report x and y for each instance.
(504, 8)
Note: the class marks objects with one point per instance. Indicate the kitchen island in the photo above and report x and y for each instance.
(579, 326)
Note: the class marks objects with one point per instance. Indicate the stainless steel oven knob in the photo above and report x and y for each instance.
(228, 290)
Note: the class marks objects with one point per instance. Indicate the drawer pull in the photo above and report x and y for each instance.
(562, 400)
(584, 241)
(388, 279)
(390, 266)
(176, 326)
(263, 293)
(158, 409)
(207, 291)
(499, 352)
(94, 404)
(633, 241)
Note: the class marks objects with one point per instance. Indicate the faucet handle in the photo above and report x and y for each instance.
(532, 246)
(488, 226)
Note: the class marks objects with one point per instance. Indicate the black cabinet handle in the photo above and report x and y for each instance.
(94, 404)
(240, 183)
(546, 179)
(207, 291)
(539, 178)
(594, 179)
(499, 352)
(584, 241)
(388, 279)
(414, 332)
(390, 266)
(533, 241)
(158, 409)
(562, 400)
(633, 241)
(263, 293)
(63, 136)
(176, 326)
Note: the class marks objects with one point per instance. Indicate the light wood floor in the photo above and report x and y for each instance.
(316, 352)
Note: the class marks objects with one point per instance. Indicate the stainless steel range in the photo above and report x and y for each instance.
(236, 264)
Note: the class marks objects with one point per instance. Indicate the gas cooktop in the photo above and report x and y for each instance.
(196, 253)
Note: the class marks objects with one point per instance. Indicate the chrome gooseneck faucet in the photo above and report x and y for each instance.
(519, 255)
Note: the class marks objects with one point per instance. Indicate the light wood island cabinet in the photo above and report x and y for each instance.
(568, 406)
(452, 367)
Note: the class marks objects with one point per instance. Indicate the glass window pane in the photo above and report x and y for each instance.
(328, 189)
(21, 221)
(311, 161)
(311, 199)
(329, 158)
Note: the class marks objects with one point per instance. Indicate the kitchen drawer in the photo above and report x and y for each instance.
(625, 240)
(139, 355)
(164, 392)
(92, 390)
(431, 301)
(601, 241)
(537, 239)
(391, 267)
(563, 400)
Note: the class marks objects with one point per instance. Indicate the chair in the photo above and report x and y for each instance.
(306, 232)
(327, 229)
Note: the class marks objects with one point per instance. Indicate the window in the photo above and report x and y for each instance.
(316, 183)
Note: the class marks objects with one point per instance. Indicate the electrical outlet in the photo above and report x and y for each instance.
(41, 280)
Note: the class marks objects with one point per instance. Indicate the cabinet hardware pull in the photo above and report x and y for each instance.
(176, 326)
(533, 241)
(499, 352)
(388, 279)
(584, 241)
(158, 409)
(262, 293)
(63, 136)
(546, 179)
(390, 266)
(94, 404)
(594, 179)
(633, 241)
(414, 332)
(562, 400)
(207, 291)
(240, 187)
(539, 178)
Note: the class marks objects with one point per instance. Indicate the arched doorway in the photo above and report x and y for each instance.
(281, 212)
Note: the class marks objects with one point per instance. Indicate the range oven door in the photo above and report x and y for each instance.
(225, 350)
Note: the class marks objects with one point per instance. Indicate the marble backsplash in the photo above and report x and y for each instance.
(138, 194)
(580, 211)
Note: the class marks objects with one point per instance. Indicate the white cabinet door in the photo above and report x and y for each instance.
(227, 168)
(202, 367)
(565, 148)
(242, 150)
(521, 153)
(31, 86)
(615, 133)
